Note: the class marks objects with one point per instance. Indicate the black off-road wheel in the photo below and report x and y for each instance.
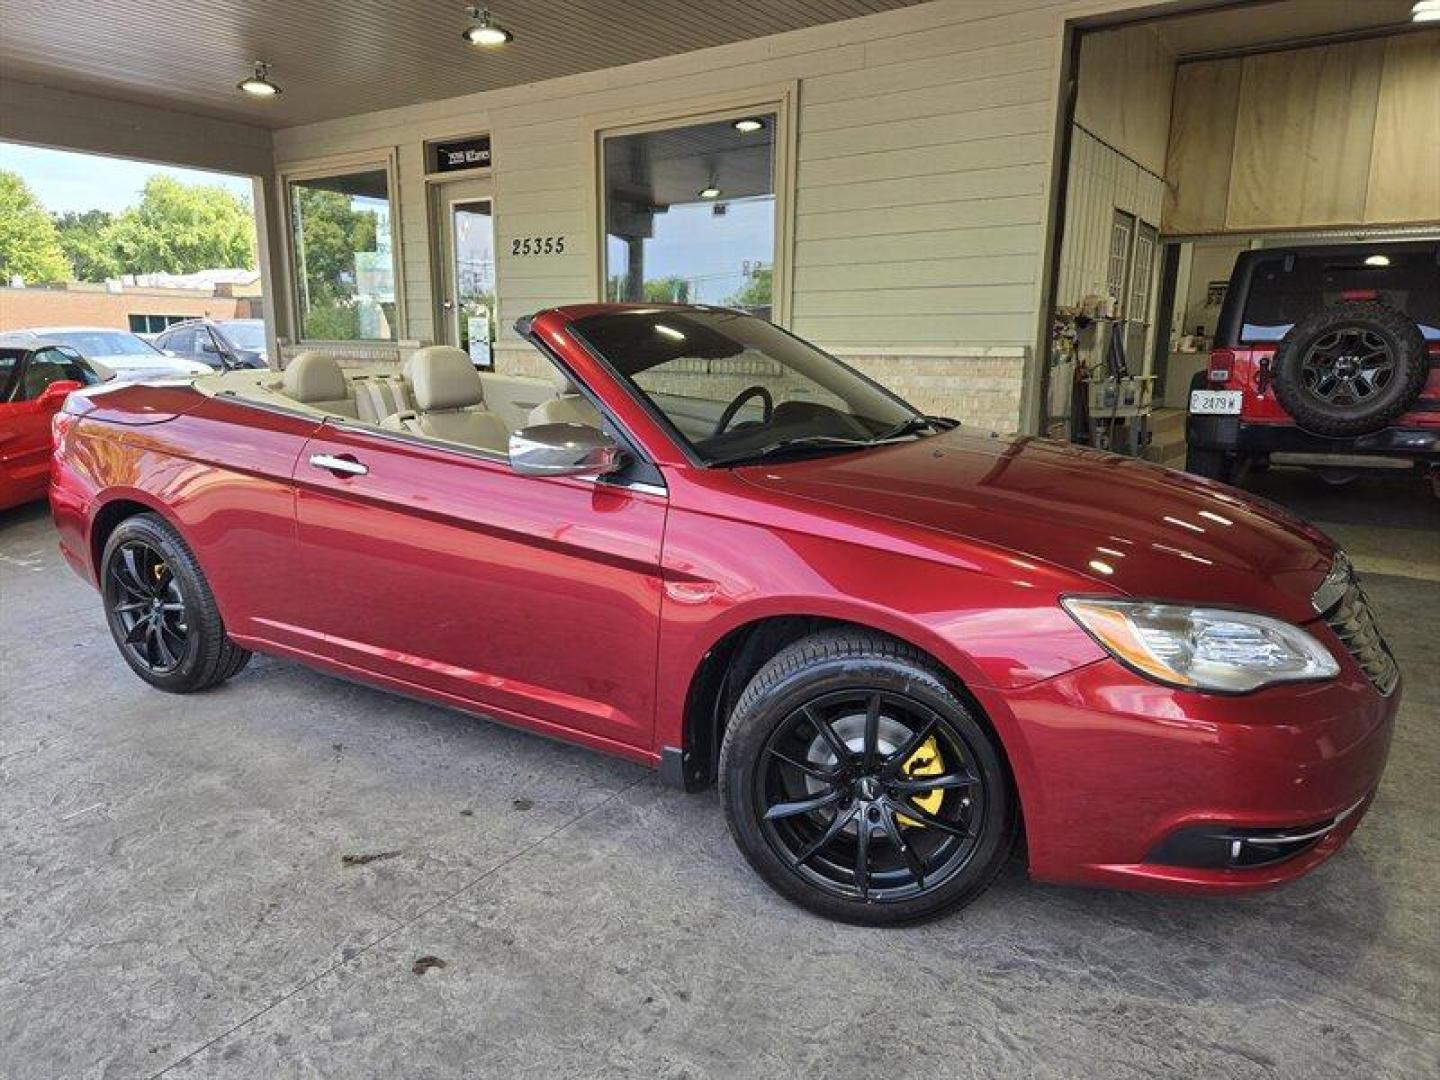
(161, 611)
(1350, 369)
(860, 784)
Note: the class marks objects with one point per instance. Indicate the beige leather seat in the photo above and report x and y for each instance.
(449, 402)
(315, 379)
(379, 396)
(567, 407)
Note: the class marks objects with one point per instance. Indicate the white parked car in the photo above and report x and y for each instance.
(131, 358)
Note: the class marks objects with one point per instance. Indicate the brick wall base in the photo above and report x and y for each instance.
(980, 386)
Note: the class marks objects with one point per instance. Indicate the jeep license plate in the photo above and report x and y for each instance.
(1215, 402)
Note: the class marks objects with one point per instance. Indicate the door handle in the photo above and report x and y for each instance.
(347, 465)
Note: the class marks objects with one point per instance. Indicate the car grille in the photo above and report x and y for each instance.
(1354, 624)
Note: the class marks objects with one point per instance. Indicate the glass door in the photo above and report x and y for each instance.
(465, 228)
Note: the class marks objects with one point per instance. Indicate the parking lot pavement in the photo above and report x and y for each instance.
(292, 875)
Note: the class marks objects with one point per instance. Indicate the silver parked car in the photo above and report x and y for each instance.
(130, 358)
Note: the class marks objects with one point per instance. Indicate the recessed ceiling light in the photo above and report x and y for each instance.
(486, 32)
(1378, 260)
(748, 125)
(1425, 11)
(710, 193)
(259, 84)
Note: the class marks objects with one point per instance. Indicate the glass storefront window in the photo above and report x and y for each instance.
(344, 267)
(690, 214)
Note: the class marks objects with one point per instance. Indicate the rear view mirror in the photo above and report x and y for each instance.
(563, 450)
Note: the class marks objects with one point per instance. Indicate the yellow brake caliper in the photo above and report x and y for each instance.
(925, 761)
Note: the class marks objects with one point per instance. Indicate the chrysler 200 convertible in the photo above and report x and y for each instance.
(904, 651)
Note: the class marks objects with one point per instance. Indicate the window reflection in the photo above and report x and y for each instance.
(690, 215)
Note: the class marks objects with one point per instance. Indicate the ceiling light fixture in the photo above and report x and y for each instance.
(259, 84)
(1425, 11)
(486, 32)
(711, 192)
(749, 124)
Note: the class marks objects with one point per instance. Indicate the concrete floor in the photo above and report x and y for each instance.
(183, 892)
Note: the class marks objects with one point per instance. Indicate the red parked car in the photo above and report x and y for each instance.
(34, 380)
(717, 550)
(1327, 357)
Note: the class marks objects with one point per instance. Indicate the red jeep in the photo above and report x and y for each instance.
(1327, 357)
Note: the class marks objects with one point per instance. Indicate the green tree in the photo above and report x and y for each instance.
(83, 236)
(667, 290)
(757, 292)
(179, 228)
(29, 243)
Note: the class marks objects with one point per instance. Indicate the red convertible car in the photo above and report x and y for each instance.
(900, 648)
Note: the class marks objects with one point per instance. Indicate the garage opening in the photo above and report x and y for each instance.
(1231, 184)
(130, 262)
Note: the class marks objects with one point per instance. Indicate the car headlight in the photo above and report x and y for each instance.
(1203, 648)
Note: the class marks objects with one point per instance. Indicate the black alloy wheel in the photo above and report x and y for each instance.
(144, 597)
(860, 782)
(869, 794)
(161, 611)
(1348, 367)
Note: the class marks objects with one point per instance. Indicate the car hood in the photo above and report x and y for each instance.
(1114, 521)
(138, 365)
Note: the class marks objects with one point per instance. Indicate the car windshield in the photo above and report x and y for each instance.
(1295, 285)
(93, 343)
(737, 389)
(245, 334)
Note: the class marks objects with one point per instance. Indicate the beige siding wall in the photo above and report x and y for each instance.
(1101, 181)
(923, 158)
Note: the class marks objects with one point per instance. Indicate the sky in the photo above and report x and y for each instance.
(67, 181)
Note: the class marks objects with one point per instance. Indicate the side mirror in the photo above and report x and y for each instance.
(209, 347)
(57, 391)
(563, 450)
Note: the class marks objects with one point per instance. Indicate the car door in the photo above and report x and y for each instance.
(184, 343)
(25, 419)
(534, 599)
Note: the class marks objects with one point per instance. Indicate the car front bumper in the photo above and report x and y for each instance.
(1116, 771)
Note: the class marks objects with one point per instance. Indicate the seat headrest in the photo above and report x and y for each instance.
(314, 376)
(443, 377)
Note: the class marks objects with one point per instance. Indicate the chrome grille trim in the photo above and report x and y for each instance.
(1337, 582)
(1354, 624)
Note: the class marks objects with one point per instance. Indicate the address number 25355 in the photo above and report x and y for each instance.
(537, 245)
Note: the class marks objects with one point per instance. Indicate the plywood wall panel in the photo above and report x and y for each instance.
(1303, 135)
(1404, 183)
(1202, 144)
(1126, 80)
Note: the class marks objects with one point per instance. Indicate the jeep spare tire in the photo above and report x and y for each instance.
(1350, 369)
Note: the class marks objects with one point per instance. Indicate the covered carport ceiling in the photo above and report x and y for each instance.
(339, 57)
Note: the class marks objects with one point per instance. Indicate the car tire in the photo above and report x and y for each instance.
(1211, 464)
(927, 851)
(161, 611)
(1320, 368)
